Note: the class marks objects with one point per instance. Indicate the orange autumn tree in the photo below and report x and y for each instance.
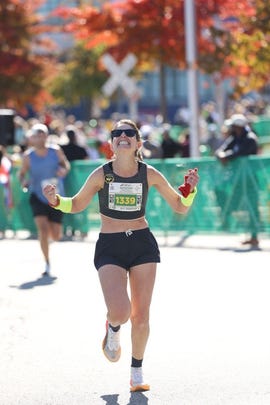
(251, 50)
(22, 71)
(155, 31)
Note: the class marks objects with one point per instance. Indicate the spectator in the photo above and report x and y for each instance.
(170, 148)
(72, 150)
(185, 145)
(20, 128)
(214, 141)
(104, 148)
(241, 141)
(151, 149)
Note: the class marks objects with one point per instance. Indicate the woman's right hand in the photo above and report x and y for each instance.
(49, 191)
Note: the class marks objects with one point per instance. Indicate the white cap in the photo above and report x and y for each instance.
(238, 120)
(39, 128)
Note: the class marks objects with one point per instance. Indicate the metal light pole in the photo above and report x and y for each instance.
(191, 58)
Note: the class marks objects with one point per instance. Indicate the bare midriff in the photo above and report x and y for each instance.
(111, 225)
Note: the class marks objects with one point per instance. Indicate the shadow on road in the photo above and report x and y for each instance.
(243, 249)
(42, 281)
(136, 398)
(110, 399)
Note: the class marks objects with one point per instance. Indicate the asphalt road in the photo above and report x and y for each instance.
(210, 333)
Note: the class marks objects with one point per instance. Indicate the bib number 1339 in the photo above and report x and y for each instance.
(125, 197)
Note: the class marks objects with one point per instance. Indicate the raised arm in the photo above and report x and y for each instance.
(79, 201)
(177, 202)
(24, 170)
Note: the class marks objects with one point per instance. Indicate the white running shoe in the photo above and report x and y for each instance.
(136, 380)
(111, 344)
(47, 271)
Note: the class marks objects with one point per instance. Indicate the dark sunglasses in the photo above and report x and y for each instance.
(128, 132)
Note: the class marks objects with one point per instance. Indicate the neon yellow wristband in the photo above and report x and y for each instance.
(187, 202)
(64, 204)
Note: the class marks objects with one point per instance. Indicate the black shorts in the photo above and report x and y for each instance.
(39, 208)
(126, 249)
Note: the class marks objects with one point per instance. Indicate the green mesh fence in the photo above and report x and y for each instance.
(4, 211)
(262, 126)
(231, 198)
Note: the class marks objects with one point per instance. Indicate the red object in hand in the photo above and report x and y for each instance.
(185, 187)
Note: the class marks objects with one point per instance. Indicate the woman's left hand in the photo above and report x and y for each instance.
(192, 178)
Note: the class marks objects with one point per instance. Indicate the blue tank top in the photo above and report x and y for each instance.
(43, 171)
(123, 197)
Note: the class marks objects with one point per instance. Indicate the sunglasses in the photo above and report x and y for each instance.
(128, 132)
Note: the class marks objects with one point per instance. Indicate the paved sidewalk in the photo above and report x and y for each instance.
(210, 333)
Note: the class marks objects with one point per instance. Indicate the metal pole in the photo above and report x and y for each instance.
(191, 58)
(133, 109)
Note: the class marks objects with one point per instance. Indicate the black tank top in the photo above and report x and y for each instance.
(123, 197)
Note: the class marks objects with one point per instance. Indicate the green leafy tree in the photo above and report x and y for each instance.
(79, 77)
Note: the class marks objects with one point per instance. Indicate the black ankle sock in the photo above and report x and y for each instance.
(136, 362)
(114, 328)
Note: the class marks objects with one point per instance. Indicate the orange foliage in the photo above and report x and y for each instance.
(153, 31)
(21, 70)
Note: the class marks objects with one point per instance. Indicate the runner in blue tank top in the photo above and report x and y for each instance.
(43, 164)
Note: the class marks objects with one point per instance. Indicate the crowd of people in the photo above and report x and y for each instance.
(91, 140)
(160, 140)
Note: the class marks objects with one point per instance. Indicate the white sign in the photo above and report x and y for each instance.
(119, 75)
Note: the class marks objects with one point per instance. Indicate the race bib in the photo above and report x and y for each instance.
(125, 196)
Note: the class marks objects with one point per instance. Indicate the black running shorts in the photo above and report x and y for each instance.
(126, 249)
(40, 208)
